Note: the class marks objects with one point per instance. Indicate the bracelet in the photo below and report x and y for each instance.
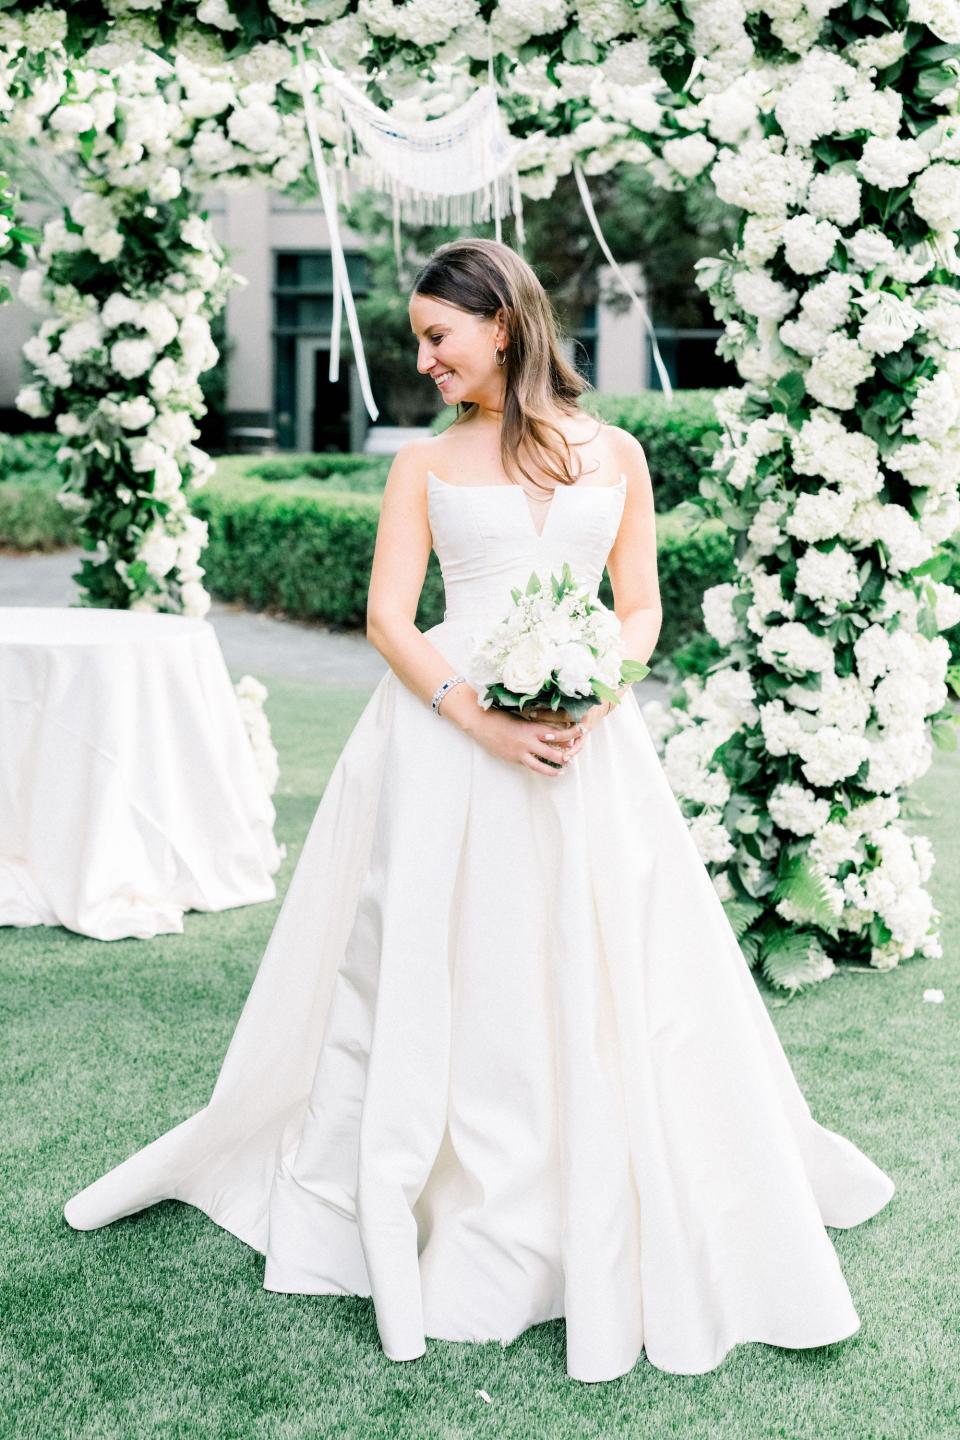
(441, 690)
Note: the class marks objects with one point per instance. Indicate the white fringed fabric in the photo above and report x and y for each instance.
(459, 169)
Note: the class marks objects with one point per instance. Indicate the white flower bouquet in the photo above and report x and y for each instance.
(553, 650)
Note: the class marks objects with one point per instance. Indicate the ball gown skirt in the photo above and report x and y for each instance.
(503, 1059)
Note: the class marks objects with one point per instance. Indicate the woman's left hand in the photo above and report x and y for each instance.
(570, 733)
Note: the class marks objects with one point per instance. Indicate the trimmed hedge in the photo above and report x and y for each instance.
(670, 431)
(308, 553)
(31, 517)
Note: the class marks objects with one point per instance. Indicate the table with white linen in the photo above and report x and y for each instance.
(129, 791)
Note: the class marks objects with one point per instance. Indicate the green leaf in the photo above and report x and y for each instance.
(799, 883)
(633, 670)
(792, 959)
(533, 584)
(944, 733)
(578, 48)
(741, 914)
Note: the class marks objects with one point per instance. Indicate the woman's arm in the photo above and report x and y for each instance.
(400, 558)
(632, 562)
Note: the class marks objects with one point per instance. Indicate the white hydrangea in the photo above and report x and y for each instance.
(835, 195)
(80, 339)
(935, 408)
(828, 577)
(686, 760)
(888, 162)
(808, 243)
(158, 551)
(869, 248)
(819, 515)
(689, 155)
(792, 647)
(848, 459)
(797, 809)
(834, 375)
(764, 533)
(768, 599)
(829, 755)
(758, 178)
(132, 358)
(940, 16)
(711, 837)
(718, 616)
(759, 294)
(888, 323)
(783, 732)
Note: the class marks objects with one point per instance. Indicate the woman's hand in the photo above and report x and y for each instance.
(542, 739)
(543, 745)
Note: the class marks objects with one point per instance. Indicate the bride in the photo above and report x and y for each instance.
(503, 1060)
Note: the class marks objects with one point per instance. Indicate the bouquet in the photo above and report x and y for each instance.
(553, 650)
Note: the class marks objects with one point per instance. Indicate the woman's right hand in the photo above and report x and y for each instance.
(523, 741)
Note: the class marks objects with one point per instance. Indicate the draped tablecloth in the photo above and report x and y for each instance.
(129, 791)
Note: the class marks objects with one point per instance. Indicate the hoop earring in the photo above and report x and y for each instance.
(499, 356)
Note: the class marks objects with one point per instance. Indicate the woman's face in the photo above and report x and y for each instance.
(456, 349)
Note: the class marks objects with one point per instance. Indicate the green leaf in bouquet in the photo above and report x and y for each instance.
(633, 670)
(515, 593)
(533, 584)
(605, 692)
(505, 699)
(792, 959)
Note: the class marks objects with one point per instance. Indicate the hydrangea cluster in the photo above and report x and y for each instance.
(838, 469)
(119, 373)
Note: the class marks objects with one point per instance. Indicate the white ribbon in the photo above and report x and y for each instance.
(342, 293)
(591, 215)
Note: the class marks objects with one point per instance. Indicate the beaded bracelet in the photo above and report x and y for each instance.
(441, 690)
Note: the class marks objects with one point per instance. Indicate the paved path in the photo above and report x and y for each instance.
(259, 644)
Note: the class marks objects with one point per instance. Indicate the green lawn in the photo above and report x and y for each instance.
(158, 1325)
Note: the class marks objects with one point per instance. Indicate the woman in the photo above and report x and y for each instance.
(503, 1059)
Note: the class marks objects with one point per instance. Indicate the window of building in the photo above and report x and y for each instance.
(311, 411)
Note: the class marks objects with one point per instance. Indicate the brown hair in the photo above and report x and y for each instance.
(483, 277)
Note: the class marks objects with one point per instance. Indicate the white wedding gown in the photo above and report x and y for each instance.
(503, 1059)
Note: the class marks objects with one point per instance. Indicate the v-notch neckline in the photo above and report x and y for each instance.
(538, 534)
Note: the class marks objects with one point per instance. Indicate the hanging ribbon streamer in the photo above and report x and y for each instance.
(342, 293)
(492, 81)
(591, 215)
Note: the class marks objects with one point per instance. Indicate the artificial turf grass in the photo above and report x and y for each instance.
(158, 1325)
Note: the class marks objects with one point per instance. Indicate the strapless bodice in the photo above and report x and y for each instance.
(487, 544)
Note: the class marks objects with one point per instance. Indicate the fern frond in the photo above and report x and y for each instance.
(804, 888)
(794, 959)
(741, 914)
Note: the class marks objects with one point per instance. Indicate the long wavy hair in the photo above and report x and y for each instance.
(483, 277)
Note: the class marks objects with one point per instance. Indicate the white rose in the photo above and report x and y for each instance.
(575, 665)
(527, 667)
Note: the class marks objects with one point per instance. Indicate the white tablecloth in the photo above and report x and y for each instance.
(129, 792)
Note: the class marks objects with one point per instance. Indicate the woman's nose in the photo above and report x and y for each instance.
(424, 360)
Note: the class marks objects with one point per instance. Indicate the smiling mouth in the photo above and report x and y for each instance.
(442, 377)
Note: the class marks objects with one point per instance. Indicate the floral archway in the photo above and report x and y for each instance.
(833, 126)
